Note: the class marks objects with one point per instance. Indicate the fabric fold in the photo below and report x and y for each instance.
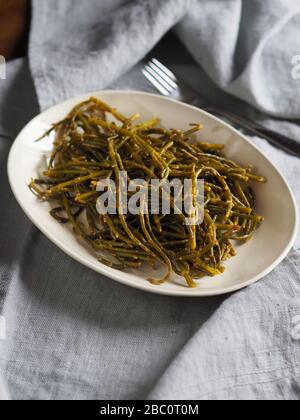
(249, 349)
(246, 48)
(99, 52)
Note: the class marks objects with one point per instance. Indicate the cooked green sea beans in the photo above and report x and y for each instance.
(95, 142)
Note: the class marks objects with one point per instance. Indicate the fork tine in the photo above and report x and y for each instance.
(155, 83)
(164, 75)
(159, 79)
(164, 69)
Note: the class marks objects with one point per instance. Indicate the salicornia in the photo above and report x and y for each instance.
(95, 142)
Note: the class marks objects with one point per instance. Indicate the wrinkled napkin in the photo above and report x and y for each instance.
(246, 47)
(73, 334)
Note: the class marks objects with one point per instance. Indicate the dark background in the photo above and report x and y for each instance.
(14, 27)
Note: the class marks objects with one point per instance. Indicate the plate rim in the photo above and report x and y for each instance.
(186, 292)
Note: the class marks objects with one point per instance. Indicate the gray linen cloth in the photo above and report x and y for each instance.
(72, 334)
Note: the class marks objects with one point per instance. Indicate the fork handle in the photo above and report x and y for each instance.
(279, 140)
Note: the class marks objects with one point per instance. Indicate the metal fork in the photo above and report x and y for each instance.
(167, 84)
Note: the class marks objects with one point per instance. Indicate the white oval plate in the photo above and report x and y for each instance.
(255, 259)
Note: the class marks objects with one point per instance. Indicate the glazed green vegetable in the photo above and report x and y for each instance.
(95, 142)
